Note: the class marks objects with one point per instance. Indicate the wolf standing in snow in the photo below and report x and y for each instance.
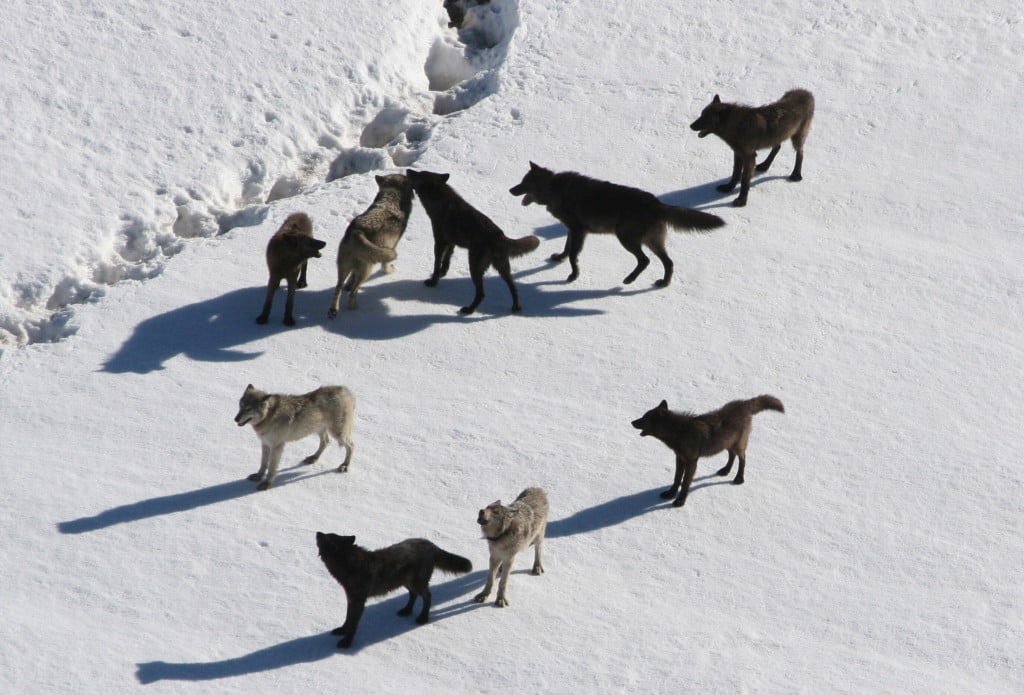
(288, 252)
(747, 129)
(371, 238)
(278, 419)
(637, 218)
(364, 574)
(694, 436)
(509, 530)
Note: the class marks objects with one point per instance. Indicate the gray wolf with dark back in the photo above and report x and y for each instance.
(287, 254)
(694, 436)
(371, 238)
(278, 419)
(635, 217)
(747, 129)
(457, 223)
(365, 573)
(509, 530)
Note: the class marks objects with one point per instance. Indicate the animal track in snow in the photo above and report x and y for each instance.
(462, 67)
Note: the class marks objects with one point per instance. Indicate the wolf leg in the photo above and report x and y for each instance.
(477, 265)
(312, 458)
(738, 480)
(407, 609)
(506, 571)
(658, 247)
(302, 275)
(349, 448)
(691, 468)
(630, 240)
(264, 462)
(495, 566)
(576, 238)
(505, 271)
(289, 303)
(272, 286)
(442, 257)
(763, 166)
(538, 568)
(737, 167)
(352, 616)
(680, 467)
(724, 470)
(424, 617)
(359, 276)
(275, 459)
(336, 299)
(748, 172)
(797, 175)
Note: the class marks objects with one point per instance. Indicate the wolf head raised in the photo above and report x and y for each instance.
(649, 423)
(534, 186)
(252, 406)
(711, 118)
(493, 519)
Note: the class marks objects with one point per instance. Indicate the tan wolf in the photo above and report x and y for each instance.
(747, 129)
(364, 574)
(287, 254)
(637, 218)
(509, 530)
(278, 419)
(372, 237)
(457, 223)
(694, 436)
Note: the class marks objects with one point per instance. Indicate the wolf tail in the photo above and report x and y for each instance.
(690, 220)
(451, 563)
(377, 254)
(522, 246)
(766, 403)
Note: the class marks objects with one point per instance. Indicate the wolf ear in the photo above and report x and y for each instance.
(716, 100)
(663, 405)
(249, 388)
(533, 166)
(444, 177)
(379, 179)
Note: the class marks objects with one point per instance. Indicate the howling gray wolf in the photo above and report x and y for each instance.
(457, 223)
(693, 436)
(634, 216)
(371, 238)
(747, 129)
(509, 530)
(279, 419)
(365, 573)
(287, 253)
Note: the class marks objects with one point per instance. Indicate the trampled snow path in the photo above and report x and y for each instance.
(277, 140)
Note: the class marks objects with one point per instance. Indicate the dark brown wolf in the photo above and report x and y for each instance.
(694, 436)
(747, 129)
(287, 253)
(372, 237)
(457, 223)
(635, 217)
(366, 573)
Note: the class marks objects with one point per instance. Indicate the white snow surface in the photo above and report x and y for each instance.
(150, 150)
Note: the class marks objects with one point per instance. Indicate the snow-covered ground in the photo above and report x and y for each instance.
(151, 151)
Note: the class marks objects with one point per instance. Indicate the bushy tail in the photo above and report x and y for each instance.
(690, 220)
(377, 254)
(451, 563)
(522, 246)
(766, 403)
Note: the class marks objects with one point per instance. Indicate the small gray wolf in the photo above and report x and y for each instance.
(509, 530)
(693, 436)
(635, 217)
(287, 253)
(366, 573)
(371, 238)
(457, 223)
(457, 10)
(747, 129)
(278, 419)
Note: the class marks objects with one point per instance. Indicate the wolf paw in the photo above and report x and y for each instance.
(265, 485)
(501, 602)
(668, 494)
(261, 319)
(738, 481)
(481, 597)
(662, 282)
(423, 620)
(739, 203)
(557, 257)
(255, 477)
(679, 502)
(404, 611)
(430, 282)
(309, 460)
(343, 468)
(345, 642)
(332, 313)
(467, 310)
(796, 177)
(725, 187)
(537, 570)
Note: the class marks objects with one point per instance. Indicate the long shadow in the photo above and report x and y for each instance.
(706, 196)
(379, 623)
(179, 502)
(610, 513)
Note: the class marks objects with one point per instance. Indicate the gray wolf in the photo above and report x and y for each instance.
(366, 573)
(287, 253)
(747, 129)
(635, 217)
(278, 419)
(694, 436)
(457, 223)
(371, 238)
(457, 10)
(509, 530)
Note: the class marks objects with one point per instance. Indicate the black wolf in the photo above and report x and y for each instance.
(694, 436)
(287, 253)
(635, 217)
(366, 573)
(747, 129)
(457, 223)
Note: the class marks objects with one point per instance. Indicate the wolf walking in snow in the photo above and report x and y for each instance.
(694, 436)
(747, 129)
(288, 252)
(509, 530)
(278, 419)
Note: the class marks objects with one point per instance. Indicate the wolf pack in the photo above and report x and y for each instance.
(583, 205)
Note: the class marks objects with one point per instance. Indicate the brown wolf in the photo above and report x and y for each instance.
(509, 530)
(287, 253)
(747, 129)
(457, 223)
(585, 205)
(693, 436)
(371, 238)
(366, 573)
